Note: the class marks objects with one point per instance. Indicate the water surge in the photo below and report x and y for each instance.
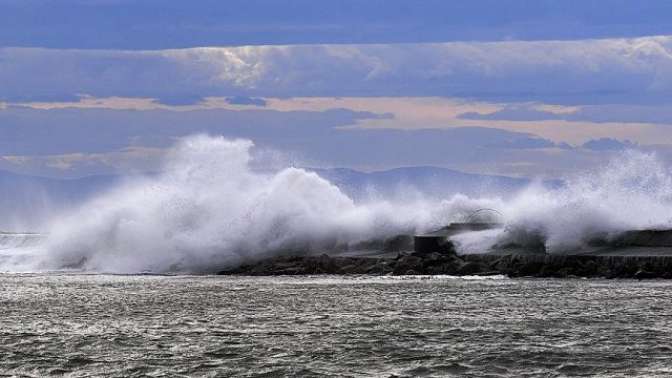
(208, 209)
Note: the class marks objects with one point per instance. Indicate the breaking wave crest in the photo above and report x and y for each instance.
(208, 209)
(632, 192)
(11, 241)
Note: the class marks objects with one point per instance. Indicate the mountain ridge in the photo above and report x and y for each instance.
(27, 199)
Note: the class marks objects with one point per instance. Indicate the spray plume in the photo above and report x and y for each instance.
(208, 209)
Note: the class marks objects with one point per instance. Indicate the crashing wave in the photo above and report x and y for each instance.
(208, 209)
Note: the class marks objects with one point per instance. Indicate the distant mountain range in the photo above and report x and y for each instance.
(432, 182)
(24, 200)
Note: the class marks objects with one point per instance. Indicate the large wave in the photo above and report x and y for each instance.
(208, 209)
(632, 192)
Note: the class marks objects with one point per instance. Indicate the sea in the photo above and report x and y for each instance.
(98, 325)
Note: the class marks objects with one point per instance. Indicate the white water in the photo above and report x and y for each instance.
(11, 241)
(208, 209)
(633, 191)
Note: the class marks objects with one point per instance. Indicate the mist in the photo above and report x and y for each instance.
(208, 209)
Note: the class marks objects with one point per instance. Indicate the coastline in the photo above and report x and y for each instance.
(633, 266)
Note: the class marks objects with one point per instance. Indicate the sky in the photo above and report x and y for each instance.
(523, 88)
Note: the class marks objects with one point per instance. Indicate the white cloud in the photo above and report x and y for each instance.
(128, 160)
(481, 78)
(618, 70)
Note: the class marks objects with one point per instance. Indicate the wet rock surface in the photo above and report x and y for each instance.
(638, 254)
(529, 265)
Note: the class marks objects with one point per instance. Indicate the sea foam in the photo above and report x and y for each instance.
(208, 209)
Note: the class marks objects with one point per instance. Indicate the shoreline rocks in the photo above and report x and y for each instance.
(512, 265)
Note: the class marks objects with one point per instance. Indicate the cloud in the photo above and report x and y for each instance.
(74, 141)
(576, 72)
(27, 131)
(527, 142)
(179, 99)
(608, 144)
(242, 100)
(606, 113)
(515, 113)
(153, 24)
(125, 161)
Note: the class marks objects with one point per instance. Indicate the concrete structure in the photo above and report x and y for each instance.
(439, 240)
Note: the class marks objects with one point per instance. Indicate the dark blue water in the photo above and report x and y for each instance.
(100, 325)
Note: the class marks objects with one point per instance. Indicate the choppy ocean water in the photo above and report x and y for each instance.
(105, 325)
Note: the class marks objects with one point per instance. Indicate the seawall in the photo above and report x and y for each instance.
(513, 265)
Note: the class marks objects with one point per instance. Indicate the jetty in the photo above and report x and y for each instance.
(639, 254)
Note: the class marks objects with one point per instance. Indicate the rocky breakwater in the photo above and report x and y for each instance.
(528, 265)
(633, 254)
(402, 264)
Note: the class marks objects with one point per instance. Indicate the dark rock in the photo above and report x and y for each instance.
(426, 244)
(645, 275)
(488, 273)
(588, 269)
(469, 268)
(434, 260)
(349, 269)
(535, 265)
(398, 243)
(291, 271)
(644, 238)
(381, 267)
(406, 263)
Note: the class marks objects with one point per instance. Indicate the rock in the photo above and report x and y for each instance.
(381, 267)
(426, 244)
(325, 264)
(469, 268)
(433, 260)
(488, 273)
(536, 265)
(406, 263)
(398, 243)
(645, 275)
(292, 271)
(591, 268)
(349, 269)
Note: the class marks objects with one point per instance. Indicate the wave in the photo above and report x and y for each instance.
(209, 209)
(632, 192)
(12, 240)
(17, 250)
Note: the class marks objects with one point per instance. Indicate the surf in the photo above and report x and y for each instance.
(210, 207)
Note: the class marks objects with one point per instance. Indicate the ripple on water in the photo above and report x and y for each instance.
(98, 325)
